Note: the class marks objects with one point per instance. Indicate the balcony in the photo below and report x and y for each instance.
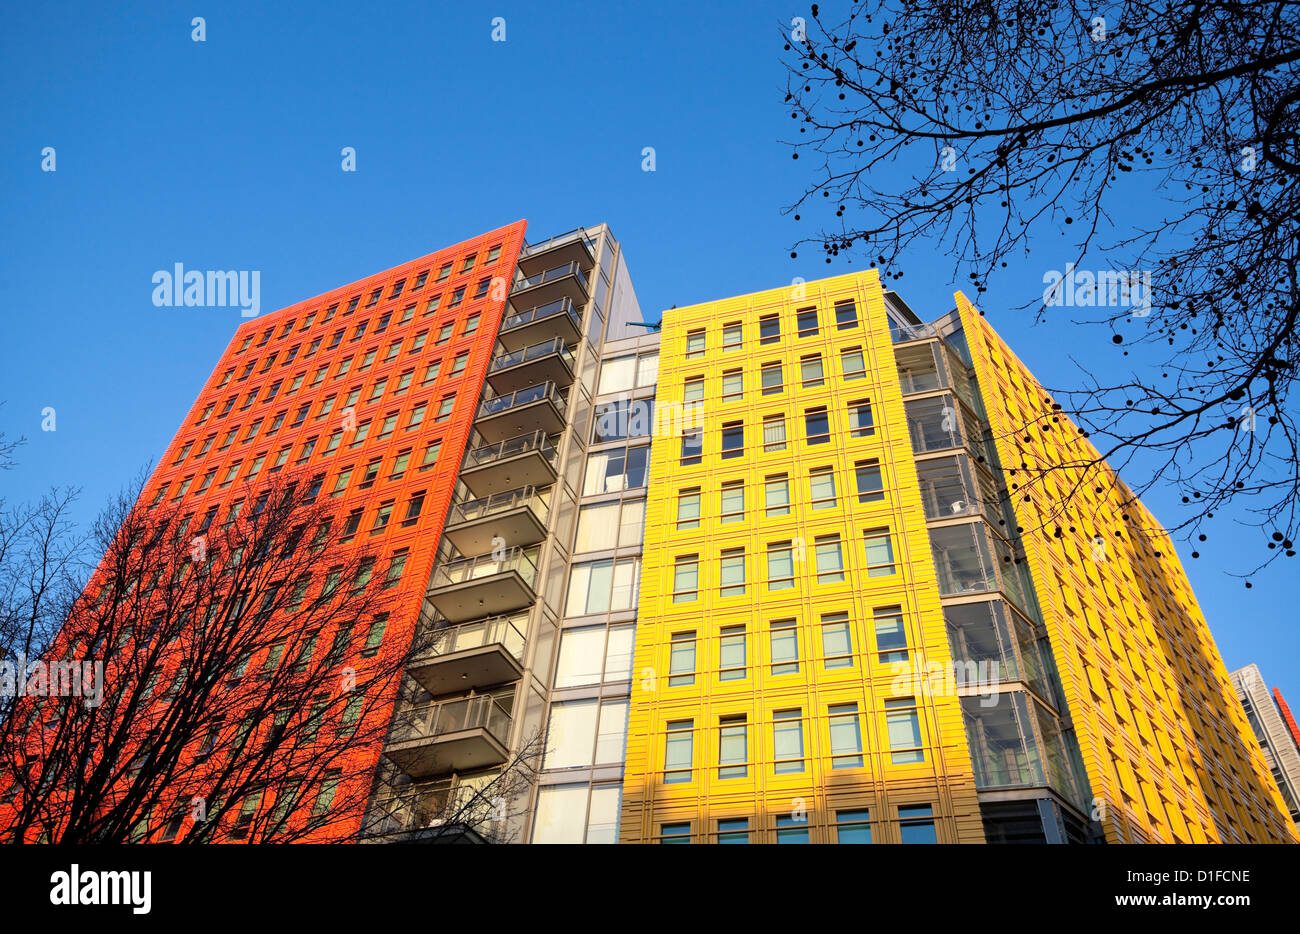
(452, 736)
(528, 460)
(571, 247)
(470, 588)
(535, 322)
(566, 280)
(518, 516)
(444, 811)
(448, 657)
(538, 408)
(546, 361)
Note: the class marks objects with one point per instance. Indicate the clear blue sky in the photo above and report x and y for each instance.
(226, 155)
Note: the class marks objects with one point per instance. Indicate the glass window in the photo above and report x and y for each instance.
(769, 329)
(731, 654)
(619, 469)
(732, 573)
(694, 343)
(903, 725)
(617, 374)
(733, 501)
(780, 566)
(733, 830)
(686, 578)
(732, 335)
(785, 647)
(880, 552)
(571, 733)
(776, 495)
(603, 586)
(609, 525)
(733, 384)
(625, 418)
(692, 446)
(891, 635)
(681, 659)
(733, 747)
(861, 422)
(846, 315)
(679, 752)
(871, 483)
(837, 641)
(772, 378)
(675, 833)
(810, 371)
(822, 483)
(582, 652)
(688, 509)
(846, 736)
(792, 829)
(916, 824)
(647, 369)
(853, 826)
(693, 389)
(773, 433)
(806, 321)
(830, 559)
(733, 439)
(787, 741)
(853, 363)
(817, 425)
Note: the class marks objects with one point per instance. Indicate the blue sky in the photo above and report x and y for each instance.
(225, 154)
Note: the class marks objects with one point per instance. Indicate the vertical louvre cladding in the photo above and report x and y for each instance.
(1165, 744)
(365, 394)
(787, 572)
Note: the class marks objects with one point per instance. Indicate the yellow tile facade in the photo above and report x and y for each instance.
(765, 698)
(1168, 752)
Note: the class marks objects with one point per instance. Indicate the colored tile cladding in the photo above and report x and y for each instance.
(407, 351)
(1289, 720)
(780, 583)
(1167, 749)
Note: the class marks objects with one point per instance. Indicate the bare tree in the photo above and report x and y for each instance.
(979, 130)
(208, 685)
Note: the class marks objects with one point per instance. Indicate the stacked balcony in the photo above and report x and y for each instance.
(458, 735)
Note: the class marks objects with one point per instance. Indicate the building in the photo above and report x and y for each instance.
(788, 569)
(1271, 721)
(863, 617)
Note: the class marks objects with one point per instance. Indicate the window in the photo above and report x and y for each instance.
(382, 515)
(733, 747)
(732, 573)
(688, 509)
(694, 344)
(444, 272)
(785, 647)
(681, 659)
(469, 262)
(584, 732)
(431, 372)
(853, 826)
(817, 425)
(675, 833)
(769, 329)
(787, 742)
(586, 650)
(617, 469)
(853, 363)
(776, 495)
(821, 481)
(430, 454)
(387, 425)
(375, 296)
(351, 524)
(399, 464)
(773, 433)
(916, 824)
(693, 389)
(619, 374)
(679, 753)
(891, 634)
(733, 439)
(846, 315)
(413, 507)
(403, 382)
(602, 586)
(458, 364)
(903, 725)
(444, 333)
(772, 379)
(871, 484)
(393, 350)
(686, 578)
(341, 483)
(692, 446)
(731, 654)
(733, 384)
(810, 371)
(733, 830)
(880, 552)
(417, 416)
(471, 323)
(482, 288)
(780, 566)
(375, 635)
(792, 829)
(610, 525)
(491, 256)
(378, 390)
(457, 297)
(806, 322)
(445, 407)
(733, 501)
(861, 423)
(837, 641)
(846, 736)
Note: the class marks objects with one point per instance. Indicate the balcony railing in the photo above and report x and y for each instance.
(498, 404)
(438, 637)
(550, 275)
(558, 240)
(521, 561)
(538, 441)
(532, 352)
(562, 306)
(470, 510)
(439, 809)
(466, 713)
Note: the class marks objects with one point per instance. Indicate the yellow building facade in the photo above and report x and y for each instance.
(850, 627)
